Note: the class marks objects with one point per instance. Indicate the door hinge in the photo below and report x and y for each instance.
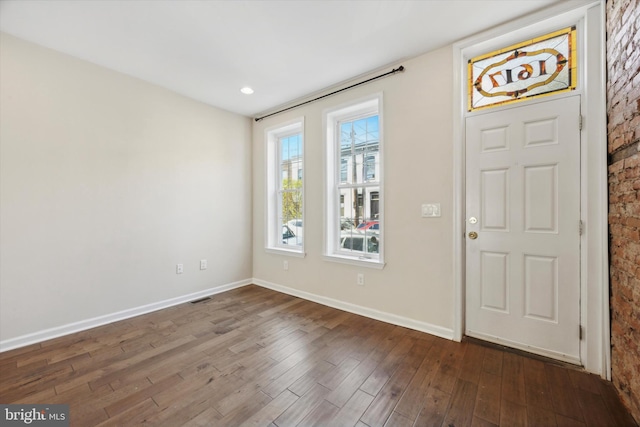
(580, 227)
(580, 332)
(580, 122)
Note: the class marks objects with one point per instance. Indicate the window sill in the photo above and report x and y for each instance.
(288, 252)
(369, 263)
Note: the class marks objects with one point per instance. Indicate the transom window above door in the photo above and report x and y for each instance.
(536, 67)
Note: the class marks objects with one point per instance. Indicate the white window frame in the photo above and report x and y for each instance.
(331, 118)
(273, 228)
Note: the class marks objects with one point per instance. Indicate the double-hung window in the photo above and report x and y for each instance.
(285, 189)
(354, 185)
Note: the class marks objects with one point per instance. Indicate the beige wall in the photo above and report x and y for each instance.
(417, 281)
(108, 182)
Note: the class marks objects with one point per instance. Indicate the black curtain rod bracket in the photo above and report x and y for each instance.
(394, 71)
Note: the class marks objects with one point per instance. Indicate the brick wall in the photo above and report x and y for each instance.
(623, 114)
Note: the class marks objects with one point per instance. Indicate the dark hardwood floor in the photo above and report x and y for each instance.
(256, 357)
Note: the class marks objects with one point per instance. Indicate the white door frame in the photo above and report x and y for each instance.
(589, 18)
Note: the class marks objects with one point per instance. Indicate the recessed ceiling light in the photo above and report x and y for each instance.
(246, 90)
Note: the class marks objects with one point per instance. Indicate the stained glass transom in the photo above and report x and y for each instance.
(540, 66)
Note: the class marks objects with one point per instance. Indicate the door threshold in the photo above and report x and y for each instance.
(523, 353)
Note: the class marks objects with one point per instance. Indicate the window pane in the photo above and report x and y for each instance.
(345, 136)
(359, 222)
(370, 167)
(294, 147)
(284, 149)
(353, 196)
(359, 151)
(344, 170)
(372, 124)
(354, 241)
(372, 154)
(374, 198)
(360, 131)
(290, 196)
(358, 162)
(346, 152)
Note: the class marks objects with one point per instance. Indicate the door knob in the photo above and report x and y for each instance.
(473, 235)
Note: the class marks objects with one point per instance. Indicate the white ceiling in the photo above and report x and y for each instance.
(284, 50)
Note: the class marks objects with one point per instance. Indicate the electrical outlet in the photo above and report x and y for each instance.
(360, 279)
(203, 264)
(179, 269)
(285, 265)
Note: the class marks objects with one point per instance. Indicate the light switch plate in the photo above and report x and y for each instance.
(431, 210)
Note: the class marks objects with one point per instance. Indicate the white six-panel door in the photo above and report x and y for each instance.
(523, 204)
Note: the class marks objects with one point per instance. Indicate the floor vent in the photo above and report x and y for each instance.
(198, 301)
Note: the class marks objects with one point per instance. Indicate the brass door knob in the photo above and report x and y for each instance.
(473, 235)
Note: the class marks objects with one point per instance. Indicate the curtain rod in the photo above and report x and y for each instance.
(394, 71)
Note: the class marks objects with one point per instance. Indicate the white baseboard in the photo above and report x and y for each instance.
(47, 334)
(394, 319)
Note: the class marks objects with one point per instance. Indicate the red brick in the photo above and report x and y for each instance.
(617, 166)
(630, 174)
(632, 162)
(625, 187)
(623, 127)
(632, 222)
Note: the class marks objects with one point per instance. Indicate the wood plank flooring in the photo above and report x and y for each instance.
(255, 357)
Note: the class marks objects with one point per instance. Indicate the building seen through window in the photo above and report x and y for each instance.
(359, 188)
(285, 188)
(290, 192)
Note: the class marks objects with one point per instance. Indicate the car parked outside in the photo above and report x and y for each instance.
(369, 225)
(354, 241)
(291, 237)
(346, 224)
(296, 227)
